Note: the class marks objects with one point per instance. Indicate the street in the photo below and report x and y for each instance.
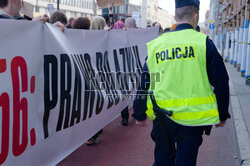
(132, 146)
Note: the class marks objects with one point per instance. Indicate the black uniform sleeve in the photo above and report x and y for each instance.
(140, 103)
(218, 78)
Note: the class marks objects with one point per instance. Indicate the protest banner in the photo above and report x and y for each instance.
(60, 88)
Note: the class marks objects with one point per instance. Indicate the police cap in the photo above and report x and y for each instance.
(182, 3)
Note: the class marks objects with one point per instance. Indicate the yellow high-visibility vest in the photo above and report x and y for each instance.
(179, 58)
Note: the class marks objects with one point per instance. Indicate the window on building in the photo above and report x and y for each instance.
(87, 4)
(90, 4)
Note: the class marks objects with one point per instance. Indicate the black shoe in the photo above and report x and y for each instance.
(124, 122)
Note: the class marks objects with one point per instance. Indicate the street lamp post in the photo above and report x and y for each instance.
(37, 6)
(58, 2)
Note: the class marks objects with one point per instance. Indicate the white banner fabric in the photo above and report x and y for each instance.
(60, 88)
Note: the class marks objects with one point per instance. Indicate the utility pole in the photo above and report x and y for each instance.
(37, 6)
(58, 2)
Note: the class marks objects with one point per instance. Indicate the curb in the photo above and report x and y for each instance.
(242, 135)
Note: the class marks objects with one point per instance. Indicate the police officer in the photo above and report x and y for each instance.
(189, 66)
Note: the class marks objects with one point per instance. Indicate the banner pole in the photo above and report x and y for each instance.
(58, 3)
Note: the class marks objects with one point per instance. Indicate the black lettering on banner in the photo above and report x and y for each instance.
(137, 57)
(132, 59)
(79, 60)
(129, 59)
(110, 79)
(122, 52)
(100, 67)
(119, 80)
(99, 103)
(100, 76)
(65, 92)
(71, 98)
(94, 87)
(50, 77)
(131, 66)
(100, 99)
(90, 73)
(81, 63)
(107, 83)
(76, 108)
(107, 71)
(138, 63)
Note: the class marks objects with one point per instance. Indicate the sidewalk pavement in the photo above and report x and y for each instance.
(240, 103)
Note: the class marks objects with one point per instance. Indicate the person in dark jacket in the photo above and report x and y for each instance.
(10, 8)
(187, 125)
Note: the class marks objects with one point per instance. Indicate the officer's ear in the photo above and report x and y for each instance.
(196, 18)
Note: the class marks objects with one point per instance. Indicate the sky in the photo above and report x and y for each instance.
(169, 5)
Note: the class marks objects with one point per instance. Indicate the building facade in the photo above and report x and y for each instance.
(152, 11)
(206, 23)
(146, 9)
(164, 18)
(231, 33)
(72, 8)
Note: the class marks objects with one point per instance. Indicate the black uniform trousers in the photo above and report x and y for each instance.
(125, 114)
(188, 140)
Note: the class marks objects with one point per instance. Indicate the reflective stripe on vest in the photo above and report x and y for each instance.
(184, 87)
